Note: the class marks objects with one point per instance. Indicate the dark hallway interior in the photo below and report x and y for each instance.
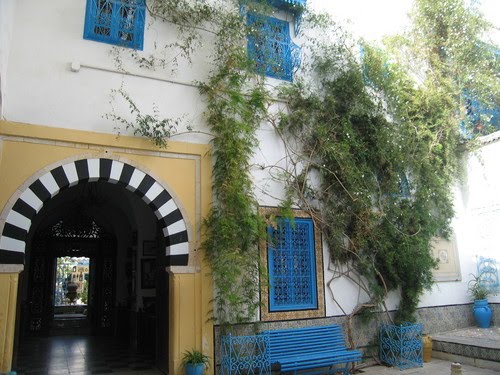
(115, 329)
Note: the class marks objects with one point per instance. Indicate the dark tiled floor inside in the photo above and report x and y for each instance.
(79, 355)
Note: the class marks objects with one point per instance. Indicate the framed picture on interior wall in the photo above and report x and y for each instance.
(446, 253)
(149, 248)
(148, 273)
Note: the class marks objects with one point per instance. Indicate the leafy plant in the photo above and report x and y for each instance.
(372, 146)
(195, 357)
(476, 288)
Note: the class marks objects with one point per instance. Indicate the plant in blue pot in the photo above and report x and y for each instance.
(195, 362)
(479, 293)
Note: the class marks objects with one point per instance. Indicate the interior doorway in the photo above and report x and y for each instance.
(71, 291)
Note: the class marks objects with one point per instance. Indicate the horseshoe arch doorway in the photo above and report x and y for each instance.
(128, 240)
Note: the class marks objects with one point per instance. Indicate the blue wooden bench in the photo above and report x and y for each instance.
(309, 348)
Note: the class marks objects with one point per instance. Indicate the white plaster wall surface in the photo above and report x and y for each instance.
(477, 206)
(7, 10)
(48, 36)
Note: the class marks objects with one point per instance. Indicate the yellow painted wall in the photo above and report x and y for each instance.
(27, 149)
(8, 299)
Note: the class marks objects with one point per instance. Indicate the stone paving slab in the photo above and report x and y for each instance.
(434, 367)
(482, 337)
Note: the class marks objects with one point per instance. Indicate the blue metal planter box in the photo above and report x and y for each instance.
(244, 355)
(401, 345)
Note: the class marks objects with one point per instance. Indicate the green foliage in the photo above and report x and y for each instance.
(233, 226)
(84, 295)
(476, 288)
(151, 126)
(236, 104)
(195, 357)
(364, 128)
(449, 44)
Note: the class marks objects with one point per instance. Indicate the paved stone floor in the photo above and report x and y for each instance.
(483, 337)
(81, 355)
(434, 367)
(84, 355)
(488, 338)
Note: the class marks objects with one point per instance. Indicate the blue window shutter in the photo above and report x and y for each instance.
(270, 47)
(118, 22)
(292, 266)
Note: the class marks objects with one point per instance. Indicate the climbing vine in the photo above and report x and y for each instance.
(373, 144)
(382, 134)
(236, 105)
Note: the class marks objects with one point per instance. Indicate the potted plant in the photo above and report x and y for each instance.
(479, 293)
(195, 362)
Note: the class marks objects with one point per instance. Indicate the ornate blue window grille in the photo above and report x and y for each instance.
(118, 22)
(401, 345)
(244, 355)
(292, 265)
(488, 272)
(270, 47)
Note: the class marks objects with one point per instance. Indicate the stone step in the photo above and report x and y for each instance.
(479, 347)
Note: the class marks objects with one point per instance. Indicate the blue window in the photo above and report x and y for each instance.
(270, 47)
(292, 266)
(118, 22)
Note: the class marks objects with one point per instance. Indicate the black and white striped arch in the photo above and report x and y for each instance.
(18, 221)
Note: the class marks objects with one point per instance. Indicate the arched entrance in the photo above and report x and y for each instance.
(32, 199)
(38, 211)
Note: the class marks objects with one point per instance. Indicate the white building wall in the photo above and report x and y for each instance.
(7, 11)
(48, 38)
(45, 39)
(477, 206)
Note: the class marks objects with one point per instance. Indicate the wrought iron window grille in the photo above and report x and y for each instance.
(117, 22)
(271, 48)
(292, 266)
(489, 276)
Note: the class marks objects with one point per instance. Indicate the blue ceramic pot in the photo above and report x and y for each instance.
(194, 368)
(482, 313)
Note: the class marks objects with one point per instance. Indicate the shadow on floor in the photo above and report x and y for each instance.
(81, 355)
